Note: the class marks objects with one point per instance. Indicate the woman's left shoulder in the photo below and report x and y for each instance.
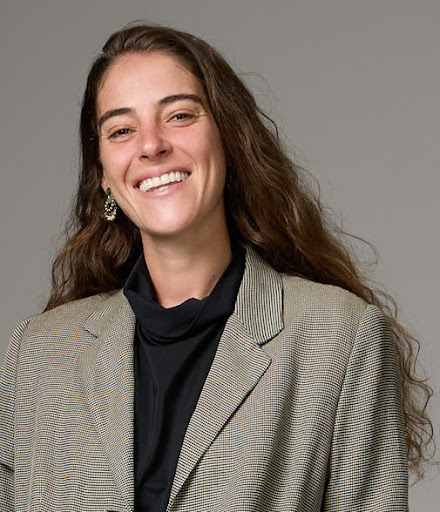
(327, 306)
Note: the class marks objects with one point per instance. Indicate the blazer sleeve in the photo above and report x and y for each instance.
(368, 460)
(7, 413)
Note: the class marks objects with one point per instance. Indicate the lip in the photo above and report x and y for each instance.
(159, 171)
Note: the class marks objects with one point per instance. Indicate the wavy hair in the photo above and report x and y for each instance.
(270, 206)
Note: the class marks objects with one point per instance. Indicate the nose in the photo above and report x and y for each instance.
(154, 144)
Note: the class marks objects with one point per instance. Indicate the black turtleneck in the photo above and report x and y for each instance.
(173, 352)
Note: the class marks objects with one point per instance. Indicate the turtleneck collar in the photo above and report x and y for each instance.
(165, 325)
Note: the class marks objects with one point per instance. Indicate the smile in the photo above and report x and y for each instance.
(165, 179)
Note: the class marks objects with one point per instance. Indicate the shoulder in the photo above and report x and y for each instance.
(59, 336)
(328, 313)
(303, 295)
(327, 327)
(299, 296)
(305, 309)
(66, 321)
(76, 311)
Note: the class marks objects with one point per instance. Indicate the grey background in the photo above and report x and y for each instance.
(353, 85)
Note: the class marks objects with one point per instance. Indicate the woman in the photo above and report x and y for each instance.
(209, 344)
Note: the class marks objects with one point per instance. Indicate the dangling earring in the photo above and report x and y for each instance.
(110, 207)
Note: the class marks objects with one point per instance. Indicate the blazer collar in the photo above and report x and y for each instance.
(259, 304)
(239, 363)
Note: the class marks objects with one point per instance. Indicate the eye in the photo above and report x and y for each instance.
(120, 133)
(182, 116)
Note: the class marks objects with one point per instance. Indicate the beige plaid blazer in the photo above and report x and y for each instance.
(301, 410)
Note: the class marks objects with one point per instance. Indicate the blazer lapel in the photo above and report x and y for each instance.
(239, 363)
(107, 374)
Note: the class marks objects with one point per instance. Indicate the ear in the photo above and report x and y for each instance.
(104, 183)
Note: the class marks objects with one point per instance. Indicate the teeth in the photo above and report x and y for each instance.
(157, 181)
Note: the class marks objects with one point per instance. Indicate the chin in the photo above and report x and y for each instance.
(163, 232)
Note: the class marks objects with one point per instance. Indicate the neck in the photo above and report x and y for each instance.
(181, 270)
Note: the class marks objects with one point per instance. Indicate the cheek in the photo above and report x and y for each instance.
(215, 147)
(114, 160)
(210, 150)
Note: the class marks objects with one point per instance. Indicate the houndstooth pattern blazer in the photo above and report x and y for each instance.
(301, 410)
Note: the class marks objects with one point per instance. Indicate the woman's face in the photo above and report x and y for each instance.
(160, 149)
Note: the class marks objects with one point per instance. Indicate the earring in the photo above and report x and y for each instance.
(110, 207)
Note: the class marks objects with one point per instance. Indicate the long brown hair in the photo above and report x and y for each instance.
(270, 206)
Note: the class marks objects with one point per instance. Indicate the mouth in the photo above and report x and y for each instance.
(164, 180)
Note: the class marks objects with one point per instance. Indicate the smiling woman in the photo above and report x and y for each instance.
(208, 344)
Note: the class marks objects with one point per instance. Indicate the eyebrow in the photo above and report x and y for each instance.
(113, 113)
(164, 101)
(179, 97)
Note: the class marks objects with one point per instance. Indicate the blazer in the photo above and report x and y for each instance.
(301, 410)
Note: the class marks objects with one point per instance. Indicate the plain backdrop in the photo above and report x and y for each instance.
(354, 86)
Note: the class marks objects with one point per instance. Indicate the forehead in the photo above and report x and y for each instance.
(151, 76)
